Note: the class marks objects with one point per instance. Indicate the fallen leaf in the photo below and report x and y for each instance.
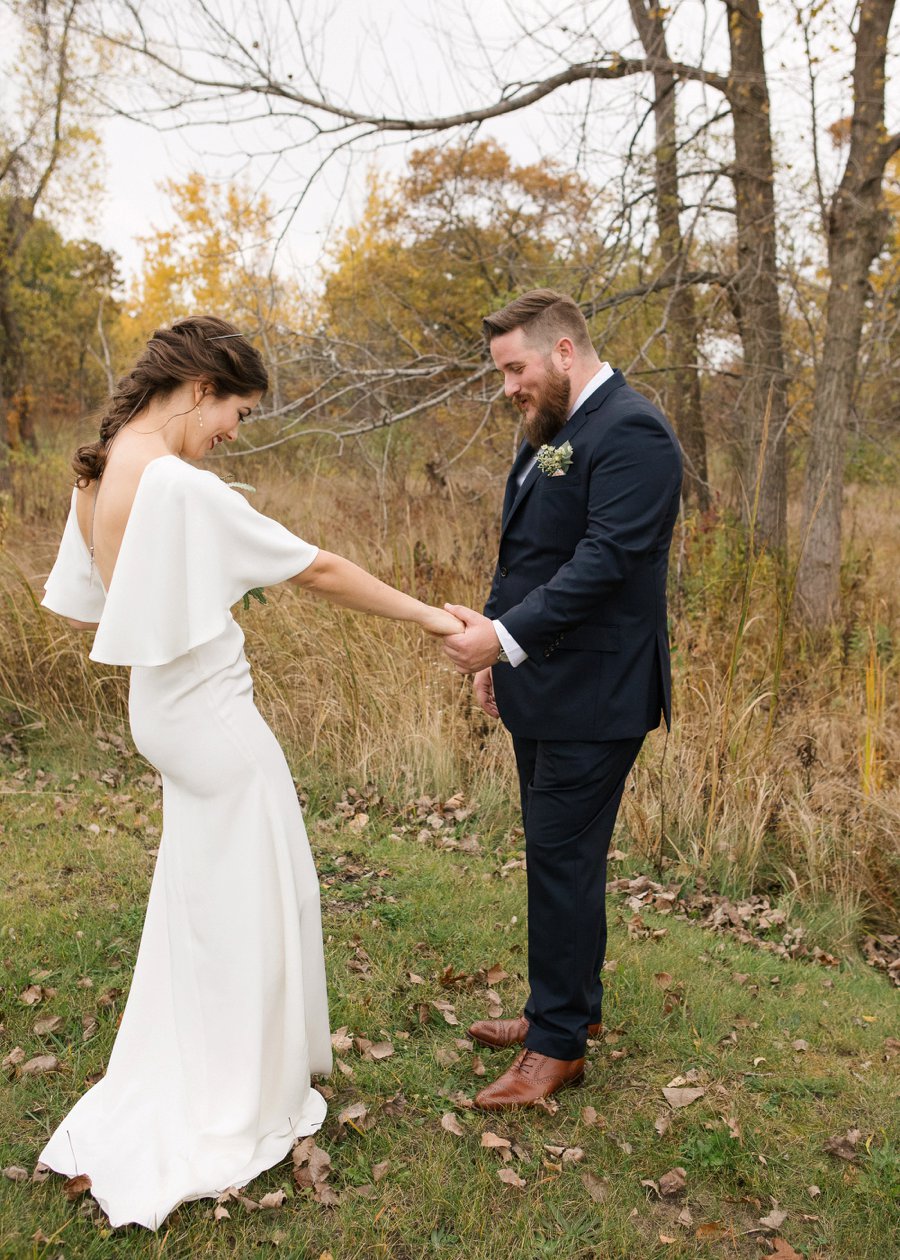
(663, 979)
(511, 1178)
(682, 1097)
(380, 1050)
(666, 1238)
(685, 1218)
(16, 1055)
(344, 1068)
(596, 1187)
(32, 995)
(378, 1170)
(813, 1191)
(672, 1182)
(572, 1155)
(274, 1199)
(325, 1195)
(40, 1064)
(495, 974)
(712, 1229)
(340, 1041)
(842, 1147)
(662, 1124)
(49, 1024)
(75, 1187)
(589, 1115)
(89, 1025)
(355, 1114)
(774, 1220)
(445, 1057)
(221, 1213)
(800, 1045)
(450, 1123)
(447, 1011)
(784, 1251)
(477, 1066)
(492, 1141)
(15, 1173)
(41, 1172)
(413, 978)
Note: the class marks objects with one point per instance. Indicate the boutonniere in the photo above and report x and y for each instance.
(555, 461)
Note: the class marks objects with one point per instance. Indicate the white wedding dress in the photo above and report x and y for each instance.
(208, 1083)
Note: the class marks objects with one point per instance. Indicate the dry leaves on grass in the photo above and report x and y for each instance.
(40, 1065)
(340, 1041)
(784, 1251)
(511, 1178)
(682, 1096)
(356, 1115)
(843, 1147)
(596, 1187)
(75, 1187)
(15, 1173)
(774, 1220)
(312, 1168)
(49, 1024)
(450, 1124)
(672, 1182)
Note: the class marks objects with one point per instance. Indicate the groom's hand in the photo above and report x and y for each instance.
(477, 647)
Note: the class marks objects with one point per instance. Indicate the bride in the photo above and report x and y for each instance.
(208, 1083)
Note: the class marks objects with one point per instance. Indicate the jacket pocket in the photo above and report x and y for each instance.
(591, 638)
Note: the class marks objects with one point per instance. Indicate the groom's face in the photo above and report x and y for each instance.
(535, 384)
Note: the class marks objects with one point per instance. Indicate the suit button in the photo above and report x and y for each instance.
(504, 572)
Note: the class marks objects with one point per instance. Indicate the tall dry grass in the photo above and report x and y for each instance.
(780, 773)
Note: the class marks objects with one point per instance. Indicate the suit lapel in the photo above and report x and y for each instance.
(523, 455)
(516, 495)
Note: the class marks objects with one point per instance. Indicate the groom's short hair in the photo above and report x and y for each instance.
(544, 316)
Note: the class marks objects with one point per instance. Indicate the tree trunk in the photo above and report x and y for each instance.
(683, 391)
(857, 225)
(763, 390)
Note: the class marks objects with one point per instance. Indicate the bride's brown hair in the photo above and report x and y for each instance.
(198, 348)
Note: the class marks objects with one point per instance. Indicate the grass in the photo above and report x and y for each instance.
(781, 772)
(76, 854)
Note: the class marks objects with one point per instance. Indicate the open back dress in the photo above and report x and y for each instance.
(208, 1082)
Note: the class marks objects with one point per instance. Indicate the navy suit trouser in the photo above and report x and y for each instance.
(571, 792)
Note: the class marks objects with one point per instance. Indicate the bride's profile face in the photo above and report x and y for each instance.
(220, 420)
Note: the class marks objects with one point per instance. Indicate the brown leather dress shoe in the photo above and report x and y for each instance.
(532, 1077)
(501, 1033)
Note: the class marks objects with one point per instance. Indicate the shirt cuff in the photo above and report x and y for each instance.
(515, 653)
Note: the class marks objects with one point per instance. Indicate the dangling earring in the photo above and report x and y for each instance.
(201, 416)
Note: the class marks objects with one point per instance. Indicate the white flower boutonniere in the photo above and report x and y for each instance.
(555, 461)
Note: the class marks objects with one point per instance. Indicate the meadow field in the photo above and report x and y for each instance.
(753, 904)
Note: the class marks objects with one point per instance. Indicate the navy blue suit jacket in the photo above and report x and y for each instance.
(580, 581)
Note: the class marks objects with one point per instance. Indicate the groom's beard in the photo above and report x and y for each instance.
(551, 408)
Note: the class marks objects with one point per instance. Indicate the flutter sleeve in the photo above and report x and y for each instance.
(73, 588)
(192, 548)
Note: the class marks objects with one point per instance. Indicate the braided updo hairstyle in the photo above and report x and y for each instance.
(198, 348)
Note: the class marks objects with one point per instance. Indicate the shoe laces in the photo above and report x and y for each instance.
(529, 1062)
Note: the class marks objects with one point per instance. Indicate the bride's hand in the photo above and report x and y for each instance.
(439, 623)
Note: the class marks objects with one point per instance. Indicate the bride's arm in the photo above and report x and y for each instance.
(342, 582)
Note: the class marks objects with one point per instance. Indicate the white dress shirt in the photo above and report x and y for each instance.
(514, 652)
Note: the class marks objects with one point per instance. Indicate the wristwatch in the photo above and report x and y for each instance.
(501, 656)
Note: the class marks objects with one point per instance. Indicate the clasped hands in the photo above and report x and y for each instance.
(472, 649)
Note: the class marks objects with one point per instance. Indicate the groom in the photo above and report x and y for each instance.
(572, 653)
